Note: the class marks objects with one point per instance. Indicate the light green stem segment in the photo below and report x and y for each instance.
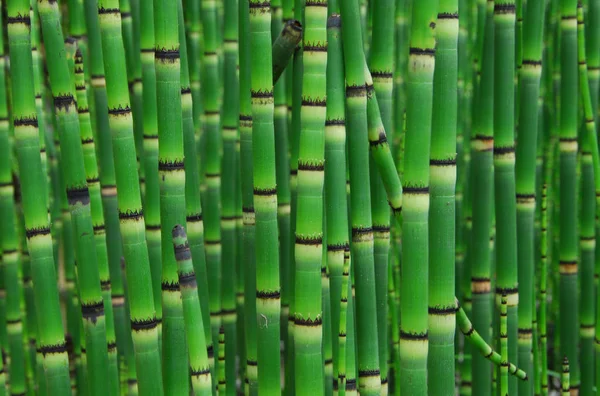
(466, 327)
(284, 46)
(265, 201)
(35, 201)
(199, 370)
(503, 346)
(171, 174)
(143, 315)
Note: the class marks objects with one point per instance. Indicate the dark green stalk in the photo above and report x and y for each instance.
(284, 45)
(150, 158)
(482, 145)
(504, 168)
(415, 263)
(212, 163)
(171, 174)
(35, 201)
(143, 316)
(192, 190)
(10, 264)
(369, 380)
(228, 187)
(248, 234)
(568, 243)
(309, 221)
(504, 345)
(382, 57)
(91, 174)
(265, 201)
(199, 370)
(530, 72)
(289, 38)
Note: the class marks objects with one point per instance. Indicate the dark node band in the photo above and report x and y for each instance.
(244, 117)
(53, 349)
(335, 122)
(131, 215)
(504, 8)
(407, 335)
(315, 47)
(186, 90)
(525, 331)
(78, 195)
(311, 166)
(120, 111)
(356, 91)
(26, 121)
(416, 190)
(187, 280)
(381, 140)
(144, 324)
(265, 192)
(64, 101)
(24, 19)
(316, 102)
(169, 286)
(381, 74)
(182, 252)
(380, 228)
(102, 10)
(507, 290)
(308, 322)
(442, 162)
(261, 94)
(422, 51)
(448, 15)
(268, 295)
(194, 218)
(111, 346)
(351, 384)
(531, 62)
(13, 321)
(334, 21)
(253, 363)
(105, 284)
(442, 311)
(368, 373)
(32, 232)
(166, 55)
(171, 166)
(153, 227)
(503, 150)
(93, 310)
(337, 247)
(198, 372)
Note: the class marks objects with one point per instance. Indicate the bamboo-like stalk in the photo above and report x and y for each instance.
(265, 201)
(568, 219)
(530, 71)
(504, 173)
(308, 325)
(482, 145)
(143, 316)
(171, 174)
(93, 181)
(248, 234)
(10, 256)
(361, 221)
(210, 158)
(229, 132)
(381, 62)
(288, 37)
(35, 201)
(504, 345)
(413, 293)
(565, 378)
(194, 221)
(199, 370)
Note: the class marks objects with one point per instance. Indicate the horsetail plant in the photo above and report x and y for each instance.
(199, 370)
(284, 45)
(143, 315)
(35, 202)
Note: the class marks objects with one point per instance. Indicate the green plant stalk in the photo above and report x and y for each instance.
(335, 194)
(504, 169)
(106, 167)
(530, 71)
(568, 243)
(482, 145)
(93, 181)
(143, 315)
(543, 282)
(248, 232)
(400, 70)
(413, 290)
(228, 187)
(150, 159)
(265, 201)
(565, 378)
(132, 57)
(442, 322)
(193, 30)
(222, 384)
(212, 164)
(171, 174)
(13, 319)
(193, 204)
(504, 345)
(381, 62)
(199, 370)
(308, 315)
(344, 348)
(129, 353)
(288, 37)
(369, 380)
(35, 201)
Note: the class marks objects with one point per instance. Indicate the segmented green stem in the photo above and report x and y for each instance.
(284, 45)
